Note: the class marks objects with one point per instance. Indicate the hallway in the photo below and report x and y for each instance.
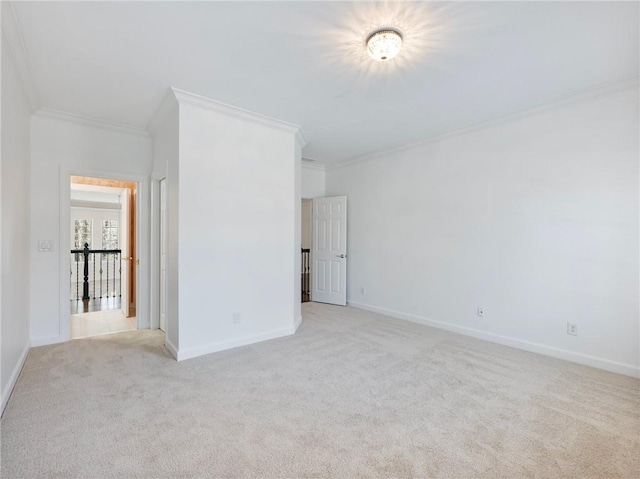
(97, 323)
(95, 304)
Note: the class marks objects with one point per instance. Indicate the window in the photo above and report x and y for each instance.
(110, 234)
(82, 233)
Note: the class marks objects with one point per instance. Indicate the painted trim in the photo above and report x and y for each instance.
(233, 343)
(297, 324)
(567, 99)
(313, 166)
(13, 379)
(169, 345)
(230, 110)
(13, 38)
(92, 122)
(585, 359)
(64, 262)
(154, 255)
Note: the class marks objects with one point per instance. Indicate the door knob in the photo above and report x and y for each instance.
(341, 255)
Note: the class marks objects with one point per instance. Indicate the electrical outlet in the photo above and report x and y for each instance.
(572, 329)
(480, 312)
(236, 318)
(45, 246)
(363, 290)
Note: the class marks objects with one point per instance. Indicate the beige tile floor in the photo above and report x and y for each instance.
(100, 322)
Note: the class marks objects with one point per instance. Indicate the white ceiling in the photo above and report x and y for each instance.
(304, 62)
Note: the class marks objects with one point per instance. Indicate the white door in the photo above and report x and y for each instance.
(329, 251)
(125, 200)
(163, 254)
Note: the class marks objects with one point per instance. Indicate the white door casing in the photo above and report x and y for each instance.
(125, 256)
(163, 254)
(329, 251)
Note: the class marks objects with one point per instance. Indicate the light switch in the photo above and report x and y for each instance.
(45, 246)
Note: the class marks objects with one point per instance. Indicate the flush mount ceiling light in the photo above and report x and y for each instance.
(383, 45)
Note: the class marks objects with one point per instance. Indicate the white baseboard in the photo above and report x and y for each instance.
(232, 343)
(298, 323)
(13, 379)
(46, 340)
(593, 361)
(171, 347)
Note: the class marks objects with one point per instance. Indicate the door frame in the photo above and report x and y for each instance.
(154, 254)
(157, 223)
(125, 250)
(141, 247)
(310, 199)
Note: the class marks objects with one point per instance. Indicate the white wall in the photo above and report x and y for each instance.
(312, 181)
(14, 174)
(165, 164)
(59, 148)
(535, 219)
(238, 181)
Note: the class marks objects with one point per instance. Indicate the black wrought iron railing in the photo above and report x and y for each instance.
(95, 272)
(305, 268)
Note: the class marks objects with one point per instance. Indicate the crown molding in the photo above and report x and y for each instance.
(168, 105)
(230, 110)
(87, 121)
(312, 166)
(567, 99)
(13, 39)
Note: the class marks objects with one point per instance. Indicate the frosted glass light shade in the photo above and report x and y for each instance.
(383, 45)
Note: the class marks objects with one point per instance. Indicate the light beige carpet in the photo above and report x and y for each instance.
(352, 394)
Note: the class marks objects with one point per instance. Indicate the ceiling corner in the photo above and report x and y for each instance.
(166, 106)
(301, 137)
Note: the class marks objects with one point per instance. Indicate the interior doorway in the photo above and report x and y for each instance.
(102, 271)
(306, 240)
